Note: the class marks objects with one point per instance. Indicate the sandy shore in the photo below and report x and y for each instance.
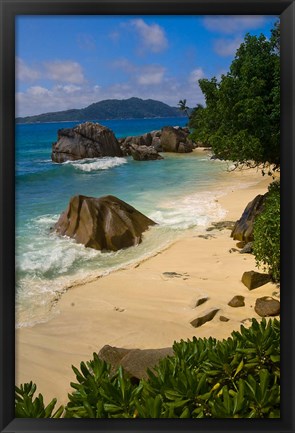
(141, 307)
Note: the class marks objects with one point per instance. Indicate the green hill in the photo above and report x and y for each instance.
(109, 109)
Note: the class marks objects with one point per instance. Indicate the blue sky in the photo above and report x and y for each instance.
(67, 62)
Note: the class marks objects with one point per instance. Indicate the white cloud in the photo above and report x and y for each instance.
(227, 47)
(38, 91)
(37, 99)
(114, 36)
(24, 72)
(124, 64)
(196, 75)
(69, 88)
(86, 42)
(153, 36)
(151, 75)
(233, 23)
(144, 81)
(143, 74)
(64, 71)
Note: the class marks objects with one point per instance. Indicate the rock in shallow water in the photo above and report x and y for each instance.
(87, 140)
(144, 153)
(105, 223)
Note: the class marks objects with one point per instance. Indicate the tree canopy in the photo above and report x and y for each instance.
(241, 120)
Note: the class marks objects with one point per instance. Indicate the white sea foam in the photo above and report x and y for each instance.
(94, 164)
(195, 210)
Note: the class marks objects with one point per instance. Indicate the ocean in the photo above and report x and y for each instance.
(179, 193)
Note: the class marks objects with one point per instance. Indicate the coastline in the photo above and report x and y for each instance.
(140, 307)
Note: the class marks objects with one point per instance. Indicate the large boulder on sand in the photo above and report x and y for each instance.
(105, 223)
(134, 361)
(243, 229)
(174, 139)
(87, 140)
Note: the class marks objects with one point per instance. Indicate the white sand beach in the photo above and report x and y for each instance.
(141, 307)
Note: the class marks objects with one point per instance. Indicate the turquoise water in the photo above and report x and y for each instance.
(178, 192)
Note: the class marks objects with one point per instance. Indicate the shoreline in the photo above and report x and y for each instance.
(140, 307)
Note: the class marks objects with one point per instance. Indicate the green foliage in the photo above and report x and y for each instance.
(26, 406)
(205, 378)
(241, 120)
(266, 246)
(98, 394)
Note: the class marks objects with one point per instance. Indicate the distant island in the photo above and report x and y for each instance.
(109, 109)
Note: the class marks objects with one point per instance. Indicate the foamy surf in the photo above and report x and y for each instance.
(94, 164)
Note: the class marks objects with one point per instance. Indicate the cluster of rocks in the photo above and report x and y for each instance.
(168, 139)
(92, 140)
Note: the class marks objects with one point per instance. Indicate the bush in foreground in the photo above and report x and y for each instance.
(266, 246)
(234, 378)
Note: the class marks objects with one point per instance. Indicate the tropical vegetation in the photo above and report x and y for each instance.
(241, 120)
(205, 378)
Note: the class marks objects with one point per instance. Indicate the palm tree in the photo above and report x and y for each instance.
(183, 107)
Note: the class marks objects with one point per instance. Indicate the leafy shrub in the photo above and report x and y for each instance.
(266, 247)
(205, 378)
(28, 407)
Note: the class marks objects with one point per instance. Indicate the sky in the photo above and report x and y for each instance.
(65, 62)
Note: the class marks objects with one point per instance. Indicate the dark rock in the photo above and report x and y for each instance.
(267, 306)
(105, 223)
(199, 301)
(223, 319)
(156, 143)
(144, 153)
(237, 301)
(175, 140)
(221, 225)
(252, 279)
(134, 361)
(87, 140)
(112, 355)
(206, 317)
(248, 248)
(243, 229)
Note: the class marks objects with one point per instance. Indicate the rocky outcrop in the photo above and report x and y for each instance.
(105, 223)
(87, 140)
(267, 306)
(175, 139)
(168, 139)
(144, 153)
(134, 361)
(252, 279)
(243, 229)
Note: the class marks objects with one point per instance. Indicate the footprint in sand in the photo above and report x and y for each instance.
(120, 310)
(168, 275)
